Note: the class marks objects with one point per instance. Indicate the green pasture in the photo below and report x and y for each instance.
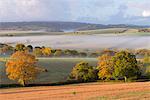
(58, 69)
(28, 33)
(118, 31)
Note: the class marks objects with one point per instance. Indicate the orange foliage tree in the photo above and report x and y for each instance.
(46, 51)
(105, 67)
(22, 67)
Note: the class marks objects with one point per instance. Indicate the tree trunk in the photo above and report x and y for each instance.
(125, 79)
(23, 83)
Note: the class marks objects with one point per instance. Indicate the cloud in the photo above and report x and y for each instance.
(95, 11)
(19, 9)
(137, 8)
(32, 10)
(146, 13)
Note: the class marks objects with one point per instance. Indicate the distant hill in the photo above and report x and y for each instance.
(59, 26)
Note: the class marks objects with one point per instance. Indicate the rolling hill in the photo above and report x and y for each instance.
(59, 26)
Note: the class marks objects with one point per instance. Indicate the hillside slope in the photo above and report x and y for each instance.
(58, 26)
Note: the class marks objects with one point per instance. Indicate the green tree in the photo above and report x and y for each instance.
(83, 72)
(30, 48)
(83, 54)
(20, 47)
(125, 65)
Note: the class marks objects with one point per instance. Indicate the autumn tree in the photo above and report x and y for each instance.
(46, 51)
(125, 65)
(83, 72)
(143, 52)
(20, 47)
(108, 52)
(105, 67)
(37, 52)
(22, 67)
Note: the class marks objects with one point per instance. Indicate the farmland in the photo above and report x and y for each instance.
(27, 33)
(85, 91)
(108, 31)
(112, 31)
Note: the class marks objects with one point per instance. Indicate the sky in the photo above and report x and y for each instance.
(90, 11)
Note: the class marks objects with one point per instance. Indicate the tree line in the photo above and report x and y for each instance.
(50, 52)
(123, 65)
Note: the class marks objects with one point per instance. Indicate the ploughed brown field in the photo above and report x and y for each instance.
(85, 91)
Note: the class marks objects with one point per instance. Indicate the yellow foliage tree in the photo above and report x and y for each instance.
(46, 51)
(105, 67)
(22, 67)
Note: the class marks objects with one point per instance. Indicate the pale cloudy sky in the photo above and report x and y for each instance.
(93, 11)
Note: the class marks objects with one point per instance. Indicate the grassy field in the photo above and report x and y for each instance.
(118, 31)
(58, 69)
(28, 33)
(99, 31)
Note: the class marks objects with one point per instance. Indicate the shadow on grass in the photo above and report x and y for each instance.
(4, 86)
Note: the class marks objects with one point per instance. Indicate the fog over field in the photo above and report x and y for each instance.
(82, 41)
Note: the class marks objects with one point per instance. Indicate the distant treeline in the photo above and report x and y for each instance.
(50, 52)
